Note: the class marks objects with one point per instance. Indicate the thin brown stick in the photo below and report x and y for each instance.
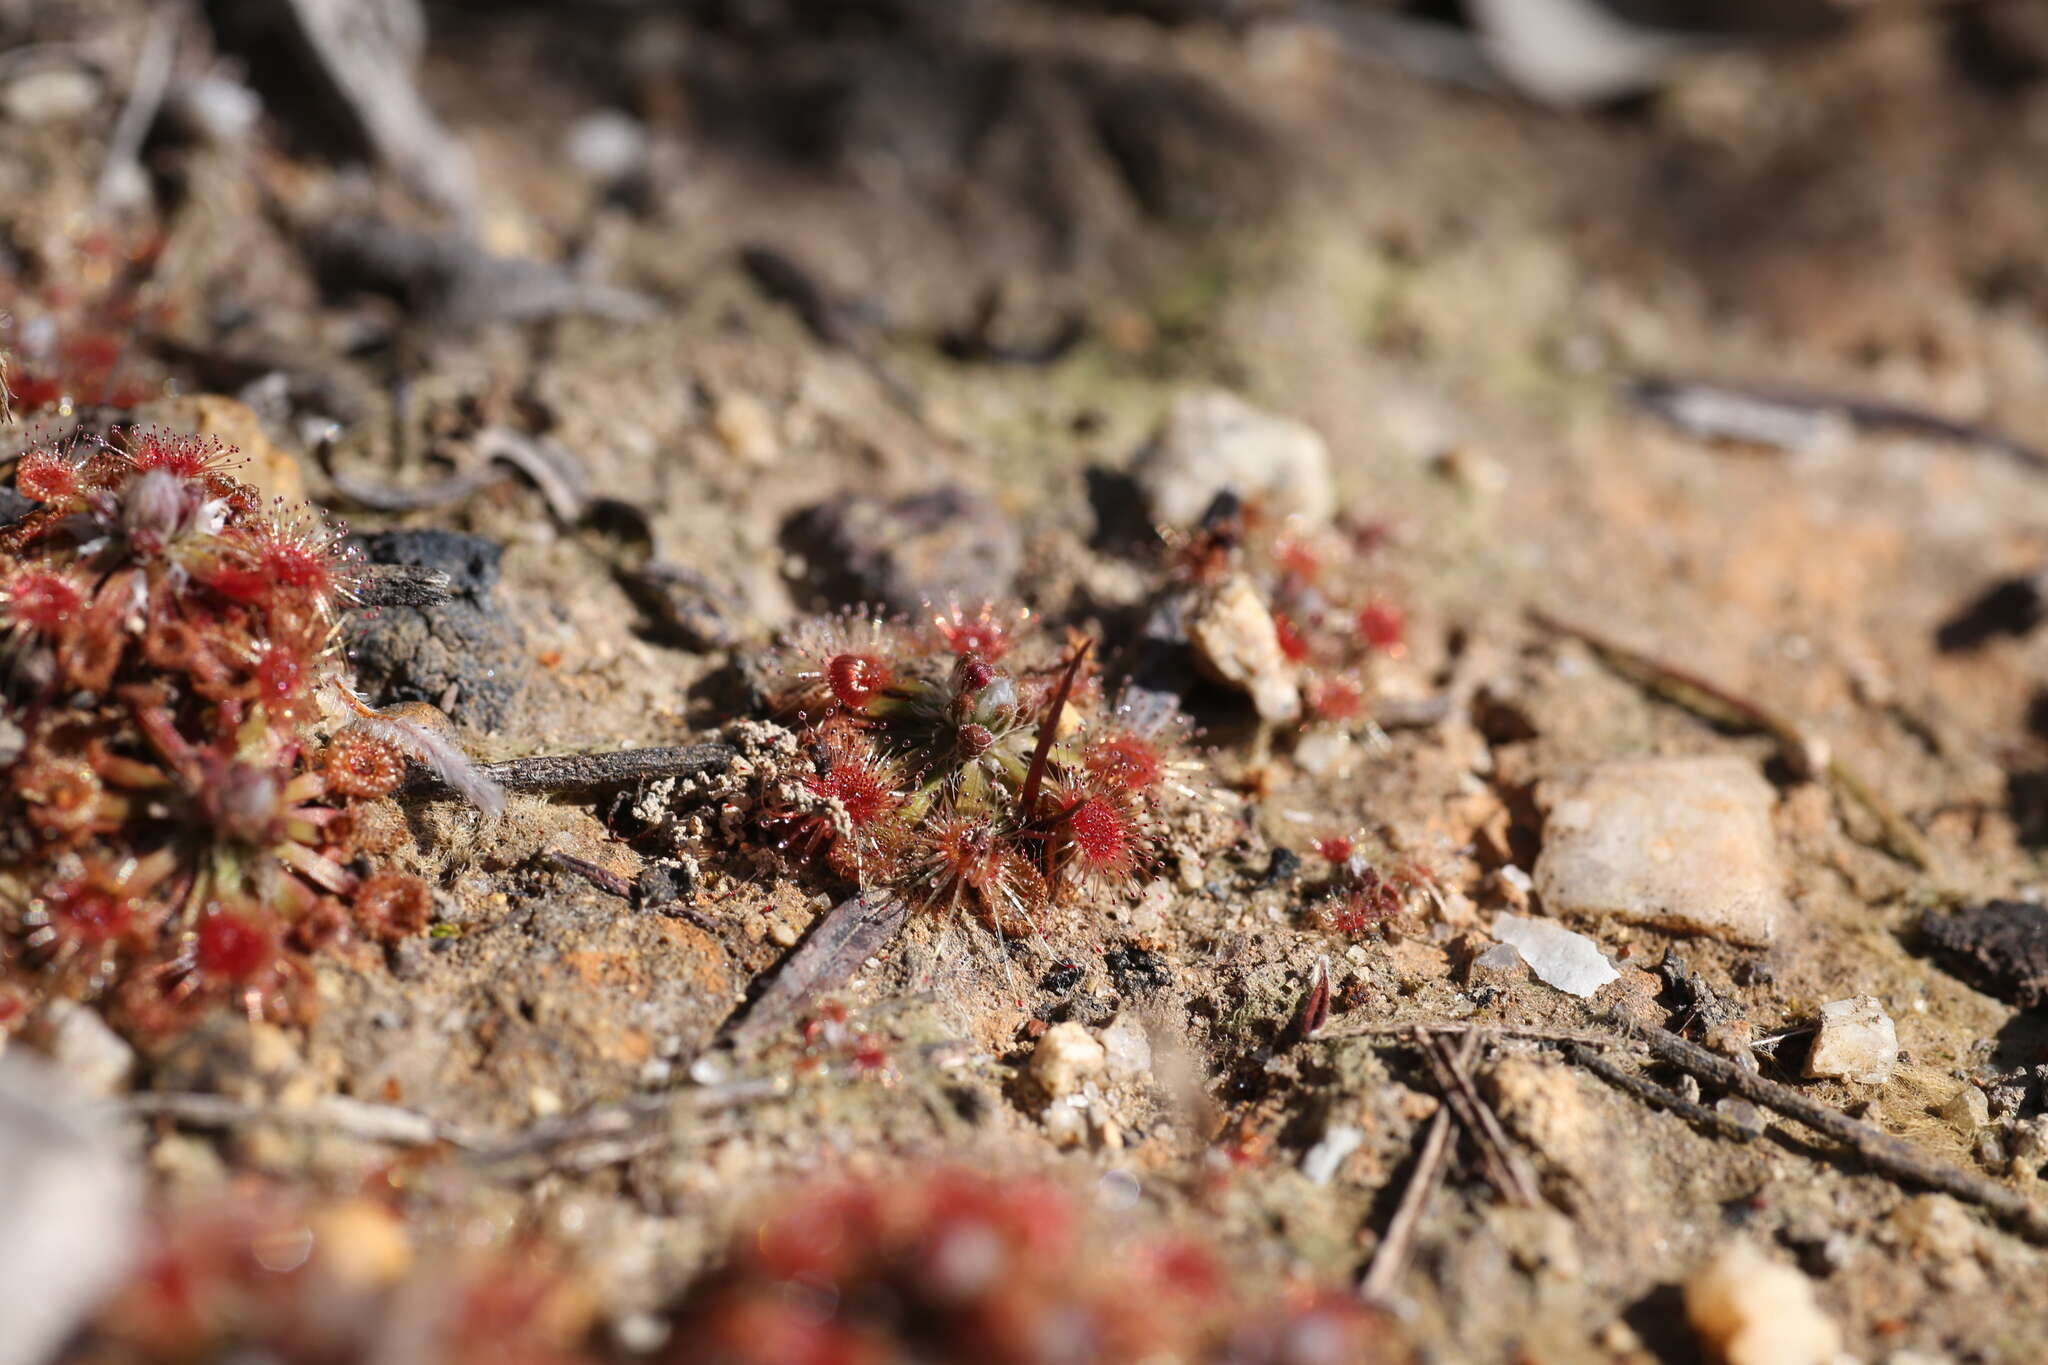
(146, 86)
(1791, 419)
(1454, 1028)
(389, 498)
(335, 1113)
(1507, 1173)
(1048, 730)
(1887, 1154)
(603, 878)
(1803, 750)
(583, 772)
(1395, 1250)
(606, 1134)
(842, 939)
(1893, 1156)
(1656, 1096)
(612, 1131)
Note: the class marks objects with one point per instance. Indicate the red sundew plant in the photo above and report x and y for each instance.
(953, 1266)
(1334, 623)
(174, 830)
(1357, 899)
(262, 1274)
(68, 346)
(961, 782)
(833, 1043)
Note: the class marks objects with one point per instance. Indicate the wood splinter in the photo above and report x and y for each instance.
(585, 772)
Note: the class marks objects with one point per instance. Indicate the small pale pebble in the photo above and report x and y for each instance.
(1326, 753)
(1066, 1125)
(1237, 644)
(1751, 1310)
(606, 145)
(1856, 1042)
(1569, 961)
(783, 933)
(50, 94)
(1126, 1049)
(1067, 1057)
(93, 1058)
(1968, 1111)
(1213, 441)
(1682, 843)
(1498, 966)
(544, 1102)
(744, 424)
(1321, 1161)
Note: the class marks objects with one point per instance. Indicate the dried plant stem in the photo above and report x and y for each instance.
(1791, 418)
(1505, 1168)
(1806, 752)
(1889, 1155)
(604, 879)
(333, 1113)
(843, 938)
(597, 1136)
(1395, 1250)
(1893, 1156)
(583, 772)
(146, 87)
(1048, 731)
(1656, 1096)
(1455, 1028)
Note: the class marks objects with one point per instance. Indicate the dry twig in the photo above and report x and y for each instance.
(1893, 1156)
(585, 772)
(1806, 752)
(1456, 1028)
(332, 1113)
(1791, 419)
(1885, 1153)
(1396, 1248)
(1656, 1096)
(122, 166)
(594, 1137)
(1505, 1168)
(604, 879)
(843, 938)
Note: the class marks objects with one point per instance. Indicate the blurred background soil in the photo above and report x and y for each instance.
(707, 316)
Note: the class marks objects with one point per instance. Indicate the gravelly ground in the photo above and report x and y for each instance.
(1457, 292)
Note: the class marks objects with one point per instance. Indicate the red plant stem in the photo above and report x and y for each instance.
(1048, 730)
